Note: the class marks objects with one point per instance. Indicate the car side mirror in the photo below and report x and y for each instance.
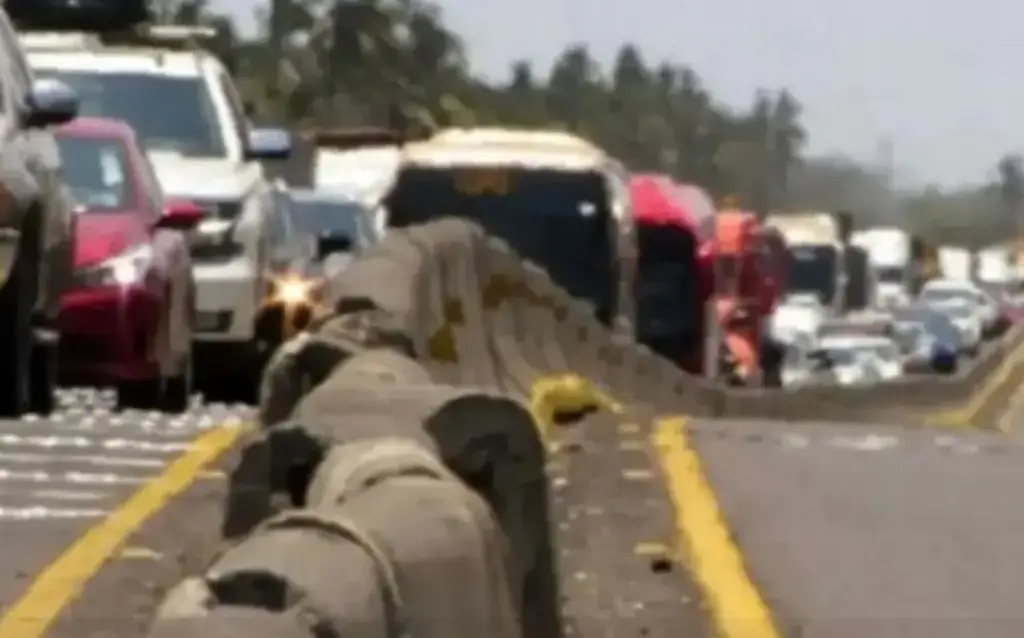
(268, 144)
(181, 215)
(50, 103)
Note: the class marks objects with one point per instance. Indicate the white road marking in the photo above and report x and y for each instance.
(57, 495)
(80, 478)
(39, 512)
(81, 442)
(79, 460)
(84, 459)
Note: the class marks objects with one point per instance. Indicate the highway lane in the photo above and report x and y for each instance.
(61, 475)
(852, 531)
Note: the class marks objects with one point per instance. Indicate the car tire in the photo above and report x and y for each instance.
(241, 384)
(138, 394)
(43, 379)
(176, 396)
(16, 337)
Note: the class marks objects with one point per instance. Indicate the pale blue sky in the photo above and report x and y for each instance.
(943, 78)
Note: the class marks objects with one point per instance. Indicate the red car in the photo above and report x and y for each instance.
(127, 320)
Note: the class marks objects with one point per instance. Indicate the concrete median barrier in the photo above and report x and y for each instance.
(458, 363)
(350, 562)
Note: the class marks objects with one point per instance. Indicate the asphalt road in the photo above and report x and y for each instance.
(852, 531)
(63, 474)
(846, 530)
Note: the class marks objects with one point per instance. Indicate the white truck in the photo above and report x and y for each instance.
(889, 254)
(956, 263)
(816, 256)
(995, 265)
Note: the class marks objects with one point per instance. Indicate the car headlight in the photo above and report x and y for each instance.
(293, 290)
(214, 238)
(127, 269)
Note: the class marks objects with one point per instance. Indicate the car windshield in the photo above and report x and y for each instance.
(890, 274)
(812, 269)
(958, 311)
(167, 113)
(325, 217)
(96, 171)
(935, 324)
(560, 220)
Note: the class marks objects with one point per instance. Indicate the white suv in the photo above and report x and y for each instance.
(185, 109)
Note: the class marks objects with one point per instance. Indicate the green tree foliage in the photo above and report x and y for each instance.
(345, 62)
(349, 62)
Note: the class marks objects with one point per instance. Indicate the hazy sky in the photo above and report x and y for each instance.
(943, 78)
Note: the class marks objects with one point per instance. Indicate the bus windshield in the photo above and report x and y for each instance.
(560, 220)
(813, 269)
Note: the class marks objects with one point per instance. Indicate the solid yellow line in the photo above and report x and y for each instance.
(1013, 412)
(963, 416)
(737, 609)
(61, 582)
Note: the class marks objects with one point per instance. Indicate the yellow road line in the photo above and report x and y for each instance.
(1013, 412)
(963, 416)
(62, 581)
(737, 609)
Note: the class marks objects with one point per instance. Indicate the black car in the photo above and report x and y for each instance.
(338, 227)
(943, 345)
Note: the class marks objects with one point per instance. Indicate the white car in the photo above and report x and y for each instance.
(863, 359)
(942, 292)
(884, 354)
(182, 103)
(847, 366)
(795, 316)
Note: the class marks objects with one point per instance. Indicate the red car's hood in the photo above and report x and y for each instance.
(100, 236)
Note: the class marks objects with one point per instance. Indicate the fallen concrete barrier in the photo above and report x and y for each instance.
(232, 622)
(351, 562)
(443, 339)
(485, 438)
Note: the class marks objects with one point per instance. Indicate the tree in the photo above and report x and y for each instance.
(350, 61)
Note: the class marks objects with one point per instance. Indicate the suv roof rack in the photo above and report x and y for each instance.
(167, 37)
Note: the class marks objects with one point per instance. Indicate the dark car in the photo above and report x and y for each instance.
(337, 227)
(943, 344)
(127, 320)
(36, 230)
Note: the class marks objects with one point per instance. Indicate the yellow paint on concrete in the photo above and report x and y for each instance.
(61, 582)
(737, 608)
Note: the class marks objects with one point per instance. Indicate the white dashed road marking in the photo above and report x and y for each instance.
(80, 461)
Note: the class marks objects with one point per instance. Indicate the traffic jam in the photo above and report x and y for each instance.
(165, 247)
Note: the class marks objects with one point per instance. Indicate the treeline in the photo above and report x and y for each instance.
(347, 62)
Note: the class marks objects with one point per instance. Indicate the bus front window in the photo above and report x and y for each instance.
(560, 220)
